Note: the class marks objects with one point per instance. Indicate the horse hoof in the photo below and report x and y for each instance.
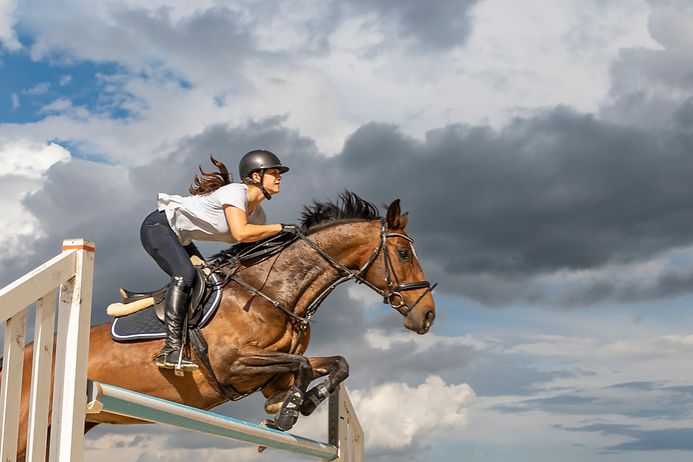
(274, 402)
(310, 404)
(286, 420)
(267, 423)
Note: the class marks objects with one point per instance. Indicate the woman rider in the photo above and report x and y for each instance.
(217, 210)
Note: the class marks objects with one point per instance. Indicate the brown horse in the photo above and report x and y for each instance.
(253, 345)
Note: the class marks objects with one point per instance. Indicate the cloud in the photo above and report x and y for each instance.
(665, 439)
(156, 444)
(437, 25)
(514, 213)
(38, 89)
(399, 419)
(634, 401)
(583, 347)
(431, 409)
(670, 439)
(649, 85)
(517, 228)
(7, 21)
(22, 172)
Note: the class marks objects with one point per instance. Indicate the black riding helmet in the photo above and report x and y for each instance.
(259, 160)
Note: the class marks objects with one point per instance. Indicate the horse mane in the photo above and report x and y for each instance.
(349, 207)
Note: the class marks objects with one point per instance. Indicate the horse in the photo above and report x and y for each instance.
(254, 345)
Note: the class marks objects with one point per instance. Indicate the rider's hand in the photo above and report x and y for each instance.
(289, 228)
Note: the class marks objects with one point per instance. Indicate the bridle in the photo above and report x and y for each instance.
(393, 292)
(391, 295)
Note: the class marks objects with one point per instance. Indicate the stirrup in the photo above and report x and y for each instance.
(174, 359)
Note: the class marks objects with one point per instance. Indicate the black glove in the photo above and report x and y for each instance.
(289, 228)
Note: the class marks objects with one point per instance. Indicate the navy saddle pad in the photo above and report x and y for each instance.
(145, 325)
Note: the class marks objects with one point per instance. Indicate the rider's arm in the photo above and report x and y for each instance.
(242, 231)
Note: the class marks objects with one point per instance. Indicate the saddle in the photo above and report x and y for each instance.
(199, 291)
(148, 323)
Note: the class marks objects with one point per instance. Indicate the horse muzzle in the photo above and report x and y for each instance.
(418, 320)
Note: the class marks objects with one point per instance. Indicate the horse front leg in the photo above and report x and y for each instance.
(337, 370)
(254, 362)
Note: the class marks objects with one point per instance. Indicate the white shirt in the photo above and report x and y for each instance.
(202, 217)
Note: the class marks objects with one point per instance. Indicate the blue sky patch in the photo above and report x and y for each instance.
(31, 90)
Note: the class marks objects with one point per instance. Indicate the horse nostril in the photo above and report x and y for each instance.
(430, 316)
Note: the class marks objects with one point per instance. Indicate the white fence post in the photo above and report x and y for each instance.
(41, 378)
(13, 354)
(73, 269)
(72, 353)
(345, 430)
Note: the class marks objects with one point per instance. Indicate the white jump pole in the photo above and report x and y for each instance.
(346, 436)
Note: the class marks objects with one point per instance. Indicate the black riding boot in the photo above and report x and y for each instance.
(172, 355)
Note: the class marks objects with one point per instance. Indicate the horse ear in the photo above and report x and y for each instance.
(393, 215)
(403, 220)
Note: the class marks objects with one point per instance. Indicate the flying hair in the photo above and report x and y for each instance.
(208, 182)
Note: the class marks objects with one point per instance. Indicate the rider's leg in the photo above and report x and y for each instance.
(172, 355)
(163, 245)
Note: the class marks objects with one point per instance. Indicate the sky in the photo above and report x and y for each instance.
(543, 149)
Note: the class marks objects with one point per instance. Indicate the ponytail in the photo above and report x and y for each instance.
(208, 182)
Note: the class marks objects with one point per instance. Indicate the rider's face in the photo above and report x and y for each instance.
(272, 180)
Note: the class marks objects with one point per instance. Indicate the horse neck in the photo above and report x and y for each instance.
(350, 244)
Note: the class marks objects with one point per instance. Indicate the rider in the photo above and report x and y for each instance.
(217, 210)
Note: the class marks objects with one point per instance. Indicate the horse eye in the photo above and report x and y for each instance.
(404, 254)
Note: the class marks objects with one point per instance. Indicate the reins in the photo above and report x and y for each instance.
(392, 295)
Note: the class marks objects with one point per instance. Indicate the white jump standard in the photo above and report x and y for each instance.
(72, 272)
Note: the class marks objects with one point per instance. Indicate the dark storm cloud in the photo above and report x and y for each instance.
(433, 25)
(643, 400)
(671, 282)
(666, 439)
(490, 209)
(556, 191)
(669, 439)
(649, 83)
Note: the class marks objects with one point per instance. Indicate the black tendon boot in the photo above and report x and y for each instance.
(172, 355)
(288, 413)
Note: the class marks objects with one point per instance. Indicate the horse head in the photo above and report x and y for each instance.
(398, 275)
